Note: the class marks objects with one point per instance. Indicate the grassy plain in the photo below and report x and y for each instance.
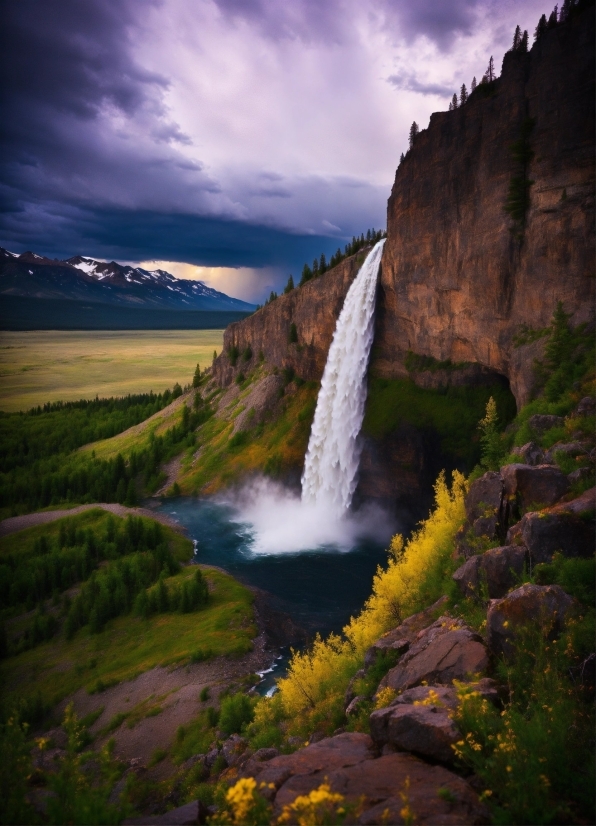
(42, 366)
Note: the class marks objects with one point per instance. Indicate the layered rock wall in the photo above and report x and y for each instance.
(459, 277)
(313, 309)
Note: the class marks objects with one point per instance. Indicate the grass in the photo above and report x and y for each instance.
(452, 413)
(275, 448)
(138, 437)
(41, 366)
(22, 541)
(130, 646)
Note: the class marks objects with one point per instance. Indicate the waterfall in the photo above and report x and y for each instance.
(334, 448)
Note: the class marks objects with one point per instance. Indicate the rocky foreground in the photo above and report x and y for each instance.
(407, 769)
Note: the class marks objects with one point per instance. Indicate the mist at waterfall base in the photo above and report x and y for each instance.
(313, 554)
(320, 586)
(281, 522)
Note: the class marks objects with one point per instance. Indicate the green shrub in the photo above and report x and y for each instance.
(236, 712)
(575, 576)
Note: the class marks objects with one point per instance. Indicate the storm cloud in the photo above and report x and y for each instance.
(223, 133)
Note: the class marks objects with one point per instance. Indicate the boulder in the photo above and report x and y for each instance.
(530, 453)
(380, 788)
(586, 407)
(190, 813)
(499, 568)
(425, 730)
(448, 650)
(354, 705)
(265, 754)
(542, 485)
(580, 474)
(233, 748)
(377, 785)
(485, 496)
(383, 646)
(541, 606)
(211, 757)
(540, 422)
(328, 754)
(572, 449)
(443, 696)
(567, 528)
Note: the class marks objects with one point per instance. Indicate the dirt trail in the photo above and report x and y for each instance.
(19, 523)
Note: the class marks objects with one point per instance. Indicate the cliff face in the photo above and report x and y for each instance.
(313, 308)
(459, 277)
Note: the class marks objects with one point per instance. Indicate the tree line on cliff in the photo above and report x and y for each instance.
(320, 265)
(569, 10)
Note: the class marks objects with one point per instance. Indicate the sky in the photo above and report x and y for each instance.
(226, 140)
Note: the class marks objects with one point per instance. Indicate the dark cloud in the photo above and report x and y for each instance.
(409, 83)
(143, 235)
(438, 20)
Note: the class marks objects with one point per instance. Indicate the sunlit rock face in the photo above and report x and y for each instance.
(313, 309)
(458, 278)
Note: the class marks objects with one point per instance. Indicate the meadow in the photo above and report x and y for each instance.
(47, 366)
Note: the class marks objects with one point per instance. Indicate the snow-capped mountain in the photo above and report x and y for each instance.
(81, 278)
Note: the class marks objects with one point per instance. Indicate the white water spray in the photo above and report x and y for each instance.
(333, 455)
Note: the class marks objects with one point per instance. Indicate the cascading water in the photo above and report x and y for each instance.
(333, 453)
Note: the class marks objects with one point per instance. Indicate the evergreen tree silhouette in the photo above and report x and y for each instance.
(553, 19)
(565, 10)
(523, 46)
(517, 38)
(540, 28)
(401, 158)
(490, 72)
(474, 84)
(463, 95)
(414, 129)
(289, 286)
(454, 101)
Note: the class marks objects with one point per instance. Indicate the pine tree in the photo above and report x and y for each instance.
(451, 106)
(463, 95)
(454, 101)
(565, 10)
(523, 46)
(540, 28)
(552, 20)
(196, 379)
(489, 437)
(414, 129)
(322, 263)
(490, 72)
(289, 286)
(306, 274)
(474, 84)
(516, 38)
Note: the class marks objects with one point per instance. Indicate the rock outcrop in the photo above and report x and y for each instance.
(313, 309)
(448, 650)
(350, 764)
(459, 280)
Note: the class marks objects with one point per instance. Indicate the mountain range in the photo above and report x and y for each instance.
(79, 278)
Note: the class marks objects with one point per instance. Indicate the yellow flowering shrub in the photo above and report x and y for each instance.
(244, 805)
(412, 580)
(385, 696)
(321, 806)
